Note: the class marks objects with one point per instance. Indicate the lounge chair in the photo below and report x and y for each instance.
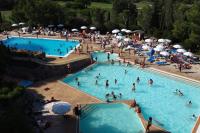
(161, 63)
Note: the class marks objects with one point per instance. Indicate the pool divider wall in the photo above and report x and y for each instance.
(196, 127)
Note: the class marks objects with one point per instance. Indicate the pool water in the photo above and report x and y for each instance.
(168, 110)
(51, 47)
(110, 118)
(102, 57)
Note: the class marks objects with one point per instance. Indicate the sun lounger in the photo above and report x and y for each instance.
(161, 63)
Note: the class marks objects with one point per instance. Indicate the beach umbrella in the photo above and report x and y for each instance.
(148, 40)
(59, 108)
(21, 23)
(74, 30)
(14, 25)
(119, 37)
(177, 46)
(145, 47)
(181, 50)
(83, 27)
(164, 53)
(123, 30)
(128, 31)
(188, 54)
(93, 28)
(60, 25)
(127, 39)
(161, 40)
(158, 49)
(115, 31)
(168, 41)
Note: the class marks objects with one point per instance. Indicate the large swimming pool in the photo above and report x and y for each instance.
(158, 101)
(51, 47)
(110, 118)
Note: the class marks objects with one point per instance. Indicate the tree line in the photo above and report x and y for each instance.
(174, 19)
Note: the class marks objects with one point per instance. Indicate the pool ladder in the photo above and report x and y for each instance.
(86, 110)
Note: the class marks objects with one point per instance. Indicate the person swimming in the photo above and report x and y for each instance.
(78, 83)
(107, 84)
(96, 82)
(180, 93)
(125, 71)
(138, 80)
(120, 95)
(151, 81)
(107, 95)
(112, 62)
(133, 88)
(115, 81)
(194, 117)
(76, 79)
(95, 58)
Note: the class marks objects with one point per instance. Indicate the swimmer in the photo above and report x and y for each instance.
(107, 84)
(138, 80)
(107, 95)
(125, 71)
(99, 74)
(176, 92)
(180, 93)
(78, 83)
(115, 81)
(189, 103)
(120, 95)
(112, 62)
(194, 117)
(108, 56)
(95, 58)
(114, 97)
(112, 93)
(151, 81)
(96, 82)
(128, 64)
(133, 88)
(76, 79)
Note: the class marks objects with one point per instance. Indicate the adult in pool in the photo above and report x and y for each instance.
(150, 81)
(120, 95)
(76, 79)
(78, 83)
(189, 103)
(194, 117)
(133, 87)
(125, 71)
(138, 80)
(115, 81)
(96, 82)
(108, 56)
(149, 124)
(107, 84)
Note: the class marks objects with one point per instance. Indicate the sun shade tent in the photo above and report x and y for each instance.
(74, 30)
(14, 25)
(164, 53)
(83, 27)
(93, 28)
(58, 108)
(181, 50)
(177, 46)
(115, 31)
(188, 54)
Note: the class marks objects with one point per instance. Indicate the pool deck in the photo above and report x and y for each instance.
(63, 92)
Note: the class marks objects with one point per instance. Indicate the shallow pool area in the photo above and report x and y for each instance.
(51, 47)
(110, 118)
(169, 110)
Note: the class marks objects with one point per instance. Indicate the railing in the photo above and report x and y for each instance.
(196, 128)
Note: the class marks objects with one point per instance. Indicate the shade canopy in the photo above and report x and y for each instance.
(148, 40)
(74, 30)
(21, 23)
(158, 49)
(59, 108)
(161, 40)
(123, 30)
(188, 54)
(115, 31)
(177, 46)
(164, 53)
(60, 25)
(145, 47)
(83, 27)
(93, 28)
(181, 50)
(14, 25)
(128, 31)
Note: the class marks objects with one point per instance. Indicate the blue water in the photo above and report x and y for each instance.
(158, 101)
(102, 57)
(50, 47)
(110, 118)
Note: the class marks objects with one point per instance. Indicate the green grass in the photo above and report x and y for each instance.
(101, 5)
(6, 14)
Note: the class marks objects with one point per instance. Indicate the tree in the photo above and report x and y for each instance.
(145, 17)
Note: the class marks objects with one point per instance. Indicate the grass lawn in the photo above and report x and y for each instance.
(6, 14)
(101, 5)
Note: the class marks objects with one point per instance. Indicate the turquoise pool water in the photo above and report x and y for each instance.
(110, 118)
(51, 47)
(158, 101)
(102, 57)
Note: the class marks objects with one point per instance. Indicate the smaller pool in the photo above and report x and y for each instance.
(110, 118)
(102, 57)
(51, 47)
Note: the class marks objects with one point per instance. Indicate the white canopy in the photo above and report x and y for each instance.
(188, 54)
(123, 30)
(164, 53)
(145, 47)
(60, 25)
(177, 46)
(127, 39)
(148, 40)
(14, 25)
(21, 23)
(181, 50)
(74, 30)
(161, 47)
(119, 37)
(115, 31)
(83, 27)
(128, 31)
(158, 49)
(93, 28)
(168, 41)
(161, 40)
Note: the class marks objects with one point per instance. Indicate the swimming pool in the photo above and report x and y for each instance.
(102, 57)
(110, 118)
(51, 47)
(158, 101)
